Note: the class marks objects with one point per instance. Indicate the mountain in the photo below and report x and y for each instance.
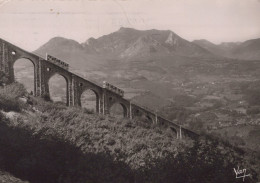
(126, 55)
(248, 50)
(229, 46)
(130, 43)
(213, 48)
(126, 43)
(70, 51)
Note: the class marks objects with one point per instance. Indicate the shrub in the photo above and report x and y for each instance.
(3, 78)
(46, 97)
(88, 111)
(253, 110)
(9, 97)
(14, 90)
(9, 104)
(207, 161)
(2, 117)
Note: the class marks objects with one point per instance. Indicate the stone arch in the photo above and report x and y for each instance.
(29, 61)
(52, 71)
(124, 108)
(97, 98)
(24, 57)
(66, 83)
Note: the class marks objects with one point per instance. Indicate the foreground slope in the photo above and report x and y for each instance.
(46, 142)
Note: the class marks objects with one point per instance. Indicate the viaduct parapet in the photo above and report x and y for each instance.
(106, 95)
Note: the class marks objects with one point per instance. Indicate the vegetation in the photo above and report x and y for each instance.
(3, 78)
(252, 92)
(48, 142)
(9, 97)
(6, 177)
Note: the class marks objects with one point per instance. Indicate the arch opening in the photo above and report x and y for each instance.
(58, 89)
(24, 72)
(89, 100)
(118, 110)
(143, 117)
(175, 132)
(147, 118)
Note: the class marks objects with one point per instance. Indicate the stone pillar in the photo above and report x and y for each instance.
(130, 111)
(6, 65)
(2, 56)
(73, 89)
(77, 92)
(103, 102)
(70, 91)
(37, 78)
(106, 102)
(44, 85)
(99, 105)
(180, 133)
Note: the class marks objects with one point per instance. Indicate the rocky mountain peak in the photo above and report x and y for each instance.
(171, 40)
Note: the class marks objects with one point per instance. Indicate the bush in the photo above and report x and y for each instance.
(9, 104)
(3, 78)
(47, 97)
(14, 90)
(2, 117)
(208, 161)
(253, 110)
(9, 97)
(252, 93)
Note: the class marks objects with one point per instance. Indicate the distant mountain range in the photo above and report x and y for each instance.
(154, 62)
(248, 50)
(127, 43)
(132, 44)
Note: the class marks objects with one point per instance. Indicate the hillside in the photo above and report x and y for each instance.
(213, 48)
(248, 50)
(47, 142)
(185, 89)
(70, 51)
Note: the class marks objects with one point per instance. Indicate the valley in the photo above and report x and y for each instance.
(194, 85)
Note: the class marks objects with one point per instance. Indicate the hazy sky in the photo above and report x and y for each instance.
(31, 23)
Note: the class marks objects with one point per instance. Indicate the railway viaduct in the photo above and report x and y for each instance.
(106, 95)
